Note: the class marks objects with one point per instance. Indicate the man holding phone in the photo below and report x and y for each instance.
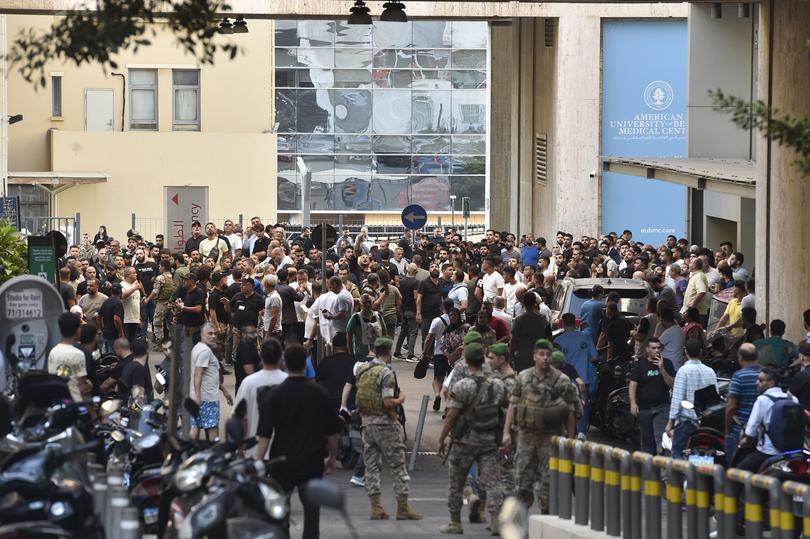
(650, 381)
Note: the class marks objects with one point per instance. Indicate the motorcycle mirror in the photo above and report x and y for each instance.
(513, 519)
(233, 431)
(241, 409)
(118, 436)
(686, 405)
(160, 379)
(109, 407)
(191, 407)
(324, 493)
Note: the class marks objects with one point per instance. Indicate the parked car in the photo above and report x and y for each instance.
(572, 293)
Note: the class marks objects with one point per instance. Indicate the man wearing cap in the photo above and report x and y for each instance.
(543, 404)
(193, 243)
(498, 357)
(189, 302)
(378, 397)
(800, 385)
(473, 415)
(244, 308)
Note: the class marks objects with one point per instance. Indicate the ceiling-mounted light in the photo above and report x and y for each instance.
(240, 25)
(359, 13)
(743, 10)
(225, 27)
(717, 10)
(394, 12)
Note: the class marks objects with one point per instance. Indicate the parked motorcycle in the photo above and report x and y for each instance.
(610, 403)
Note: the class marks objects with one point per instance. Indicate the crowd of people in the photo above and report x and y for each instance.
(509, 370)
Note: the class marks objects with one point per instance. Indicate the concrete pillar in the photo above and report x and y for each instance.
(783, 193)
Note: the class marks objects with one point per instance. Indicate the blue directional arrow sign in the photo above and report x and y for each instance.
(414, 216)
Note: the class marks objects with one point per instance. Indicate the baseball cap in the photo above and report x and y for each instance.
(217, 275)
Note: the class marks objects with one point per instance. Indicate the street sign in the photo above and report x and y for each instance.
(42, 257)
(10, 210)
(318, 236)
(414, 217)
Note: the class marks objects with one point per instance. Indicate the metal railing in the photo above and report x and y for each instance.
(621, 493)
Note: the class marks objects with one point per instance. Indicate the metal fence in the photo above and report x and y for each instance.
(621, 493)
(39, 226)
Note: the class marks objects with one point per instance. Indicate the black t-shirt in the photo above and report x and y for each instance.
(118, 370)
(407, 287)
(214, 297)
(232, 290)
(652, 390)
(193, 244)
(261, 244)
(191, 298)
(146, 275)
(111, 308)
(431, 298)
(67, 293)
(618, 333)
(569, 370)
(298, 411)
(333, 372)
(246, 354)
(245, 310)
(800, 387)
(134, 374)
(90, 367)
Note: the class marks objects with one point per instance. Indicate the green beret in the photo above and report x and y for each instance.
(543, 344)
(474, 351)
(383, 342)
(557, 357)
(472, 337)
(499, 349)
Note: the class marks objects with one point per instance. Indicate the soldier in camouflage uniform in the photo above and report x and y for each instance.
(162, 292)
(378, 398)
(460, 368)
(474, 416)
(499, 361)
(542, 404)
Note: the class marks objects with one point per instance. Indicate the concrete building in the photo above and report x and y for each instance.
(104, 144)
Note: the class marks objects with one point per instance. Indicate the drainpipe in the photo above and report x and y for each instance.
(123, 95)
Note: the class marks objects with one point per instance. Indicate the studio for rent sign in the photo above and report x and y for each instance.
(184, 205)
(644, 66)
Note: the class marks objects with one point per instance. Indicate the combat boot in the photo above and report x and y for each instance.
(377, 511)
(476, 506)
(454, 526)
(404, 511)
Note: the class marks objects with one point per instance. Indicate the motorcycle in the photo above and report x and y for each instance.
(350, 441)
(610, 403)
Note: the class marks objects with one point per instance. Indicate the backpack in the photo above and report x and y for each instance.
(787, 425)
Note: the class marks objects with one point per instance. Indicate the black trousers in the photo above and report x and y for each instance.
(312, 513)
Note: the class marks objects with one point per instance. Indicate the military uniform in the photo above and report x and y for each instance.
(461, 370)
(479, 444)
(383, 435)
(541, 406)
(508, 462)
(164, 288)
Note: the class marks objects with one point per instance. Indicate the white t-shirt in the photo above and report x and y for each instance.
(248, 391)
(437, 327)
(235, 241)
(511, 299)
(72, 357)
(458, 294)
(132, 304)
(203, 356)
(401, 265)
(270, 301)
(324, 302)
(490, 284)
(312, 317)
(301, 306)
(672, 341)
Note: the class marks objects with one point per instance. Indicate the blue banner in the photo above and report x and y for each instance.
(644, 70)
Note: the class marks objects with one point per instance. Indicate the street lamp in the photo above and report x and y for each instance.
(453, 211)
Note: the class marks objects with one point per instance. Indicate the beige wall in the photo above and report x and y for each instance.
(239, 170)
(235, 94)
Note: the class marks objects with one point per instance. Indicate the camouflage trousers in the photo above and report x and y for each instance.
(385, 442)
(507, 463)
(461, 458)
(531, 466)
(162, 321)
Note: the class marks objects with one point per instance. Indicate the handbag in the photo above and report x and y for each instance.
(421, 368)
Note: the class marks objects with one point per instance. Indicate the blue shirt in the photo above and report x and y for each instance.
(744, 386)
(530, 255)
(579, 351)
(591, 315)
(309, 371)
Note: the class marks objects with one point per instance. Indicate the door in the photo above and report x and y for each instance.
(98, 109)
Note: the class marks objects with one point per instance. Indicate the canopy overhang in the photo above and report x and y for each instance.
(730, 176)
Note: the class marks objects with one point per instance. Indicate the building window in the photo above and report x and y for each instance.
(143, 111)
(56, 96)
(186, 99)
(383, 115)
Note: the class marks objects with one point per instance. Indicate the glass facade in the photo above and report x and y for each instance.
(383, 115)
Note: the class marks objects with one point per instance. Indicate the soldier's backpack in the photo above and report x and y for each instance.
(786, 427)
(167, 288)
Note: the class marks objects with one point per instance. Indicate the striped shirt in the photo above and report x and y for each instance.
(744, 387)
(692, 376)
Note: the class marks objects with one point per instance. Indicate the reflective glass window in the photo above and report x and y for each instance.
(352, 193)
(286, 57)
(431, 145)
(352, 35)
(286, 33)
(314, 111)
(392, 112)
(470, 186)
(469, 34)
(469, 79)
(390, 193)
(353, 58)
(348, 164)
(469, 59)
(431, 192)
(392, 144)
(391, 35)
(393, 58)
(286, 111)
(356, 144)
(469, 145)
(431, 59)
(324, 58)
(352, 78)
(431, 111)
(392, 78)
(432, 34)
(288, 192)
(316, 144)
(352, 111)
(316, 33)
(393, 164)
(469, 111)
